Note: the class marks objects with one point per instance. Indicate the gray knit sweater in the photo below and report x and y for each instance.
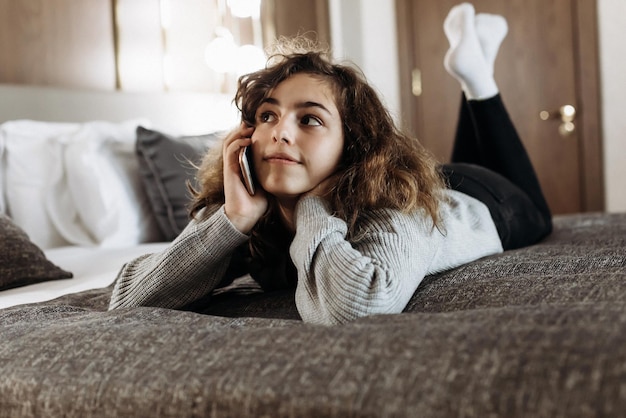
(338, 280)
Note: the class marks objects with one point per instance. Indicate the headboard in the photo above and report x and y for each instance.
(173, 112)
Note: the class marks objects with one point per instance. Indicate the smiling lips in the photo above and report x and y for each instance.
(281, 158)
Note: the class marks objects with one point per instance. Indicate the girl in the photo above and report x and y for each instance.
(348, 210)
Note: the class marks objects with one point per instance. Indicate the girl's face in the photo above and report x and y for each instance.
(298, 138)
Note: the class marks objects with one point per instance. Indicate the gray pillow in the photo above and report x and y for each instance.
(21, 261)
(166, 163)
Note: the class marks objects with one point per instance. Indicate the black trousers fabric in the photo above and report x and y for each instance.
(489, 162)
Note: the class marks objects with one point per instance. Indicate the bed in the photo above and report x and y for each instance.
(539, 331)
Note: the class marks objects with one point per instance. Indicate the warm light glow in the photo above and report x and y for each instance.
(166, 17)
(249, 58)
(221, 53)
(245, 8)
(224, 56)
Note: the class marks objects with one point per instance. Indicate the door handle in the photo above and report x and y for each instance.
(566, 114)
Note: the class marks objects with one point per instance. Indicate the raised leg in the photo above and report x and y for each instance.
(485, 134)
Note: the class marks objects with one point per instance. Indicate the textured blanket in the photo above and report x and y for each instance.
(537, 332)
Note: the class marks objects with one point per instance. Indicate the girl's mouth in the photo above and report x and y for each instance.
(281, 158)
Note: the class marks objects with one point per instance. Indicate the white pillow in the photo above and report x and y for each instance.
(31, 155)
(71, 183)
(103, 182)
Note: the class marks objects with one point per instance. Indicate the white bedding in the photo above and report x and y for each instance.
(92, 267)
(49, 182)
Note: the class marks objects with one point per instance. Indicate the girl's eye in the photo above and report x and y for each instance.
(266, 117)
(311, 121)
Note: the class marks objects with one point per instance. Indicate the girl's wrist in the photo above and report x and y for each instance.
(242, 223)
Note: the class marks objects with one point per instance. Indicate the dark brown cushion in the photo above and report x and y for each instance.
(166, 163)
(22, 262)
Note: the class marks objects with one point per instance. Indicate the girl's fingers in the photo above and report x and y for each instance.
(236, 139)
(243, 131)
(242, 209)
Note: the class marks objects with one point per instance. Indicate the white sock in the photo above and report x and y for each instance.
(491, 30)
(474, 42)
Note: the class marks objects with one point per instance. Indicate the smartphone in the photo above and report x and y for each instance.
(245, 162)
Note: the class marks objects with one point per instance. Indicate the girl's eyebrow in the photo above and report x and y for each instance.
(301, 105)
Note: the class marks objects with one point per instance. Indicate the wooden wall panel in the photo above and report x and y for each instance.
(67, 43)
(290, 18)
(132, 45)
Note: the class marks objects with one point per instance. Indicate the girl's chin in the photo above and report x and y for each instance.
(283, 195)
(284, 192)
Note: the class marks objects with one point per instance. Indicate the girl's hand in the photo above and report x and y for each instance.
(241, 209)
(323, 190)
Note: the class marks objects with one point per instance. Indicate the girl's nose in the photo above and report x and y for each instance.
(283, 133)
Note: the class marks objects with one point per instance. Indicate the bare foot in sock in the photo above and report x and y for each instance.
(474, 42)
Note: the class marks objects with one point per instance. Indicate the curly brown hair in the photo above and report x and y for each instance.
(381, 167)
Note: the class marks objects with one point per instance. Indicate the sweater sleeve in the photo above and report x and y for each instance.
(190, 268)
(376, 272)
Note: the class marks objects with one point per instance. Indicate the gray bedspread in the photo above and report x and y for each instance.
(536, 332)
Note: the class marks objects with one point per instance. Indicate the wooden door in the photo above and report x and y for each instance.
(547, 60)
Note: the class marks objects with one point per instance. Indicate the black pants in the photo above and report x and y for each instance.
(490, 163)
